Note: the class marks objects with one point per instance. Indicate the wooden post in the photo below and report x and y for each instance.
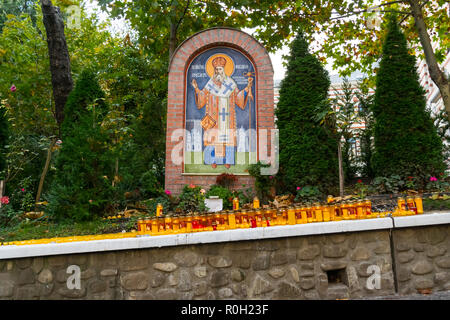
(2, 186)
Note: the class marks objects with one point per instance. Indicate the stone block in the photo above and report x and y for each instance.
(77, 259)
(219, 278)
(260, 286)
(294, 274)
(322, 285)
(353, 280)
(186, 258)
(405, 257)
(185, 283)
(134, 281)
(57, 261)
(72, 293)
(441, 277)
(421, 283)
(287, 290)
(88, 273)
(279, 257)
(422, 267)
(308, 253)
(157, 279)
(97, 286)
(436, 235)
(334, 251)
(277, 273)
(141, 295)
(132, 260)
(26, 276)
(37, 264)
(360, 253)
(225, 293)
(261, 262)
(23, 263)
(383, 247)
(6, 288)
(403, 246)
(45, 276)
(420, 247)
(237, 275)
(200, 272)
(443, 262)
(337, 238)
(166, 294)
(338, 291)
(333, 265)
(200, 288)
(307, 283)
(109, 272)
(403, 273)
(220, 261)
(436, 251)
(45, 290)
(28, 292)
(165, 266)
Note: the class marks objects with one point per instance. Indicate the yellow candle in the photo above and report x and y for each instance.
(256, 203)
(326, 213)
(231, 219)
(176, 224)
(291, 216)
(318, 212)
(419, 204)
(189, 218)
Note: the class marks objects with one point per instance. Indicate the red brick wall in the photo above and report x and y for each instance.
(191, 47)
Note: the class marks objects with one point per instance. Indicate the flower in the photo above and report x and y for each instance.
(433, 178)
(4, 200)
(23, 189)
(298, 188)
(202, 191)
(168, 192)
(13, 88)
(359, 181)
(271, 177)
(192, 186)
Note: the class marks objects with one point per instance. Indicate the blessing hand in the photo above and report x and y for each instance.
(194, 84)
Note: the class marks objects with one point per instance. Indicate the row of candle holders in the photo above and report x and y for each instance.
(248, 218)
(172, 223)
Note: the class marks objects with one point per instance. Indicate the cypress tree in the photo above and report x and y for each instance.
(80, 190)
(406, 142)
(308, 155)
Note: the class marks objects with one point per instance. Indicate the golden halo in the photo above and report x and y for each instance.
(229, 66)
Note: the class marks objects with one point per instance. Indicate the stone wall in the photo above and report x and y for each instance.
(308, 267)
(422, 258)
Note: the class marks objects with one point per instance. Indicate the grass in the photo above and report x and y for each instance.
(42, 228)
(433, 205)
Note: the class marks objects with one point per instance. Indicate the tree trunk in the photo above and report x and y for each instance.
(60, 69)
(341, 171)
(44, 172)
(436, 74)
(2, 188)
(173, 39)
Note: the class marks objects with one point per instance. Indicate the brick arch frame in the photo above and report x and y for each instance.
(184, 54)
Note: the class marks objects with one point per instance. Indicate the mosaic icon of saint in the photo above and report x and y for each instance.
(220, 96)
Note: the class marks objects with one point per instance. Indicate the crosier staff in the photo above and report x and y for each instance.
(249, 76)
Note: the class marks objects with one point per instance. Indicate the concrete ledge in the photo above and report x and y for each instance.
(10, 252)
(428, 219)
